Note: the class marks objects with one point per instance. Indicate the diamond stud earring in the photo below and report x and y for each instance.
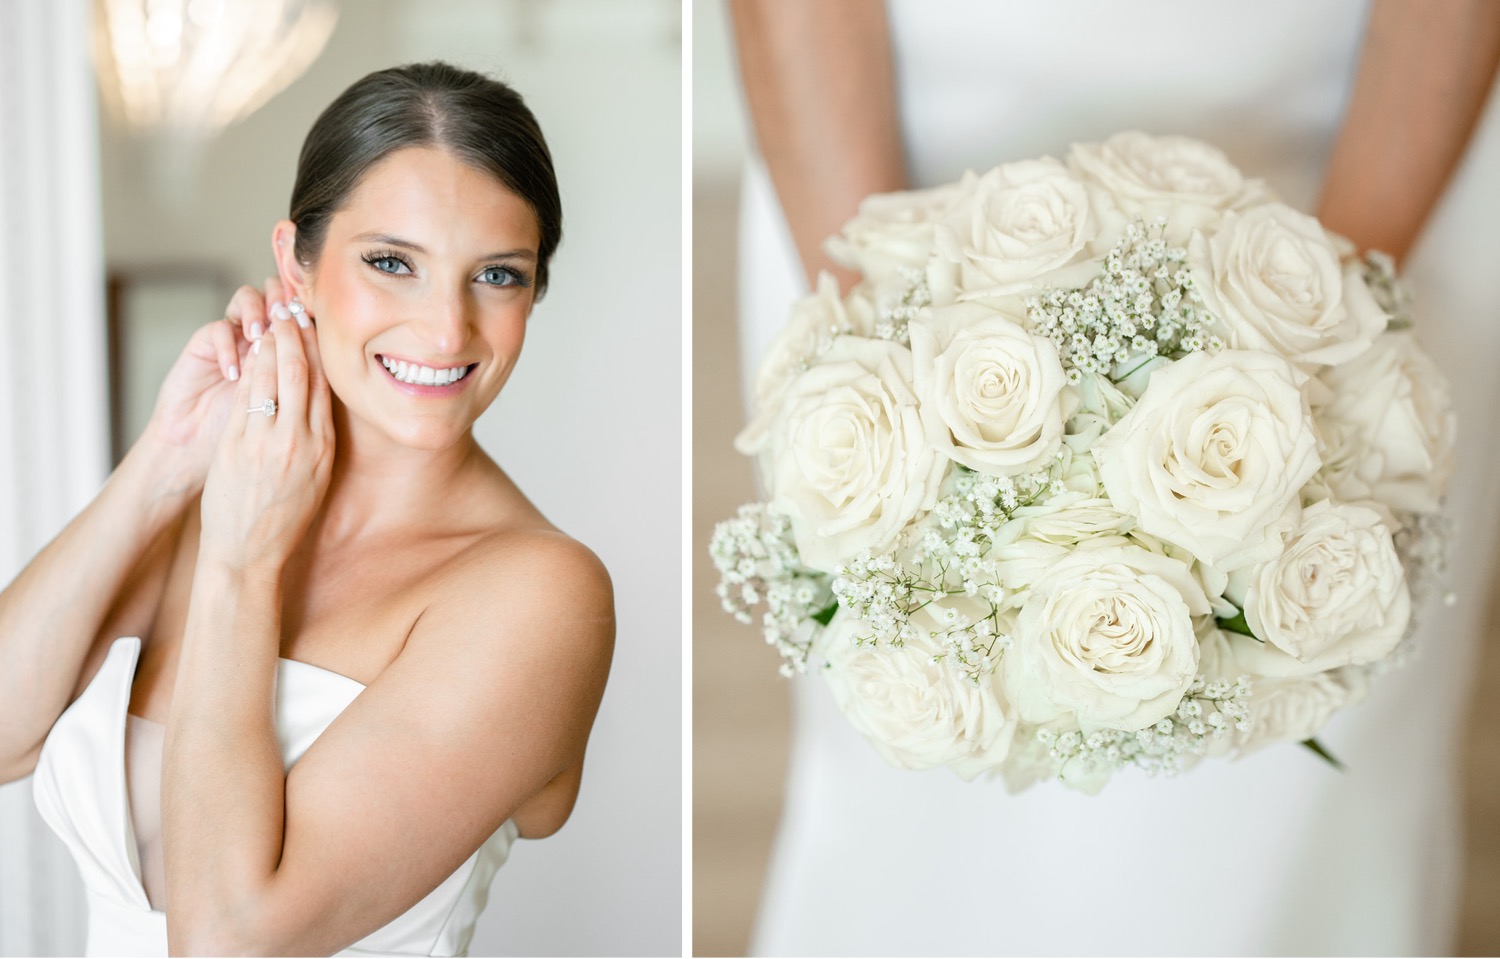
(299, 312)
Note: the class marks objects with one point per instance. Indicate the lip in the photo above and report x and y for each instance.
(418, 389)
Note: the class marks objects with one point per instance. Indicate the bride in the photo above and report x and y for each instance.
(348, 662)
(1275, 854)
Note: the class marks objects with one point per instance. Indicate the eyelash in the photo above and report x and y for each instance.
(517, 278)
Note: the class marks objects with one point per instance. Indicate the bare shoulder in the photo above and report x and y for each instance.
(525, 596)
(536, 571)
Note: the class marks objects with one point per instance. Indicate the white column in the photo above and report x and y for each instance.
(53, 396)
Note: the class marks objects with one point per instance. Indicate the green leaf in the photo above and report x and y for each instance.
(1327, 756)
(1237, 624)
(823, 616)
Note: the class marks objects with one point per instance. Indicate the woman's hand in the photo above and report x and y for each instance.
(269, 473)
(197, 395)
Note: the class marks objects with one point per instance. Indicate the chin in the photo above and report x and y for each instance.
(432, 437)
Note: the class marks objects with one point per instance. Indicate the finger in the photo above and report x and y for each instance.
(275, 291)
(319, 392)
(247, 310)
(223, 337)
(276, 301)
(238, 418)
(263, 378)
(291, 371)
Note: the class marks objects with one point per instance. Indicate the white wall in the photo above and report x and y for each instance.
(720, 131)
(589, 424)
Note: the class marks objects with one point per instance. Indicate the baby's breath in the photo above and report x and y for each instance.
(892, 317)
(1208, 711)
(758, 563)
(1143, 305)
(948, 558)
(1391, 293)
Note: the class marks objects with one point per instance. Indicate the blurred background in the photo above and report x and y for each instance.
(741, 707)
(131, 212)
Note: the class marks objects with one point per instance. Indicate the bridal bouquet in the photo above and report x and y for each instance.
(1105, 462)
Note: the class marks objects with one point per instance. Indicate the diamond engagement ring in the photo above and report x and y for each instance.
(268, 408)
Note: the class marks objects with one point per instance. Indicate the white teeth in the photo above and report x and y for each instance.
(423, 375)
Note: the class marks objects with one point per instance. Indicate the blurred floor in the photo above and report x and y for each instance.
(740, 703)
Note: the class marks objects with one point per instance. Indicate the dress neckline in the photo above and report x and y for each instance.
(134, 647)
(280, 661)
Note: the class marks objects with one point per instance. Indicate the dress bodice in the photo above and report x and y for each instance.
(82, 791)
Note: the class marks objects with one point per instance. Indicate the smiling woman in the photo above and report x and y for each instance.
(331, 662)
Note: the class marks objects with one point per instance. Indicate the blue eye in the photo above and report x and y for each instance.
(388, 263)
(503, 276)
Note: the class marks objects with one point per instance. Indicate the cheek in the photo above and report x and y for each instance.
(348, 316)
(505, 330)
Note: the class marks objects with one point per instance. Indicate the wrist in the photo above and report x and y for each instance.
(226, 570)
(151, 482)
(167, 470)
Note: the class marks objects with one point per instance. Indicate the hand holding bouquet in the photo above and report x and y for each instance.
(1117, 461)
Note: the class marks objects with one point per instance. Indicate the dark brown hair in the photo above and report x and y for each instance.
(481, 121)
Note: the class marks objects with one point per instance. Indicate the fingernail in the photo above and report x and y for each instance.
(234, 372)
(302, 320)
(256, 331)
(280, 312)
(256, 347)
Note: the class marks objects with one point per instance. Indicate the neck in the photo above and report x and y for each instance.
(378, 485)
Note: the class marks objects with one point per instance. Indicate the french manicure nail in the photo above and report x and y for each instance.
(234, 373)
(302, 320)
(280, 312)
(256, 347)
(256, 331)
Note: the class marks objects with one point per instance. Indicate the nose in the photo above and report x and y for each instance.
(445, 323)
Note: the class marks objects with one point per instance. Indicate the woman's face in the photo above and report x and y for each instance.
(421, 295)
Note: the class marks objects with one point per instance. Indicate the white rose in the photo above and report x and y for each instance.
(1213, 456)
(1294, 709)
(1273, 278)
(1106, 637)
(815, 322)
(894, 231)
(1186, 181)
(918, 713)
(1336, 597)
(1396, 402)
(847, 457)
(1344, 453)
(1071, 519)
(1020, 221)
(994, 397)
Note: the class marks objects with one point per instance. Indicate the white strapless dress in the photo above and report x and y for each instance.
(1276, 854)
(83, 792)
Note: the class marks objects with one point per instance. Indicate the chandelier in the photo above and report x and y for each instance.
(183, 70)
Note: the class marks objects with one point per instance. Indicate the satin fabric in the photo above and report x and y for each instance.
(1272, 855)
(80, 789)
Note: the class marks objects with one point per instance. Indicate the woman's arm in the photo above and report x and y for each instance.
(103, 575)
(821, 89)
(66, 597)
(490, 701)
(1423, 78)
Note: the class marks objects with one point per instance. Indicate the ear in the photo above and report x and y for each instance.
(295, 276)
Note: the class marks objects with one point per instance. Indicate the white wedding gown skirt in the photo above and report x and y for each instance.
(95, 786)
(1275, 854)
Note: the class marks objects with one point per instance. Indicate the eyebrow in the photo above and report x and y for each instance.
(388, 240)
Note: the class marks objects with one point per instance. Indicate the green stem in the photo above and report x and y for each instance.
(1327, 756)
(1237, 624)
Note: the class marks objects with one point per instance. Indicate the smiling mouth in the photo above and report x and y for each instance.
(415, 374)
